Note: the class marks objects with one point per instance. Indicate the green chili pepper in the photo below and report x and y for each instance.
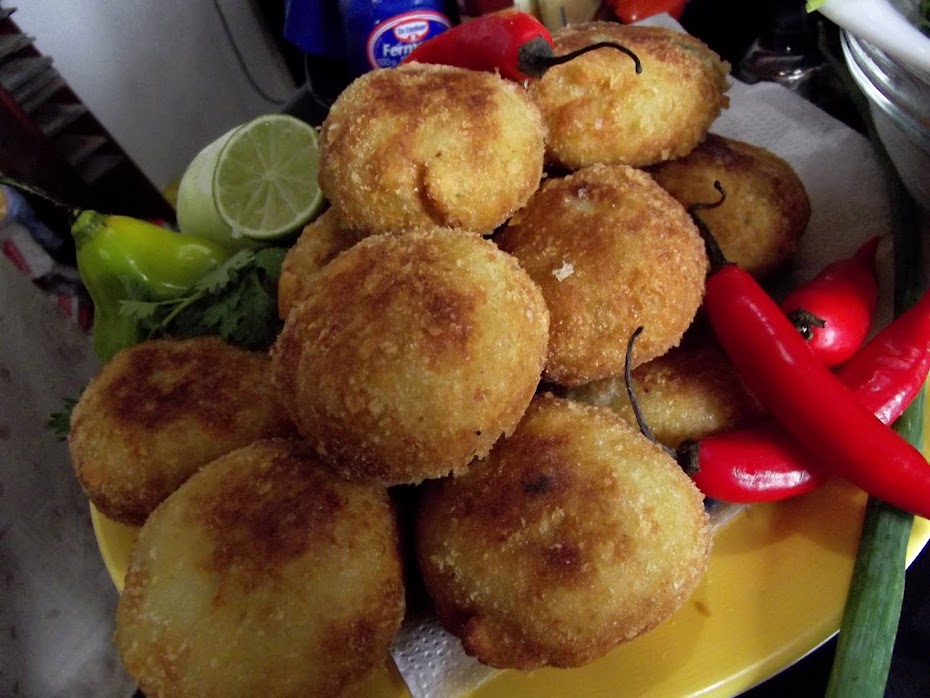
(122, 258)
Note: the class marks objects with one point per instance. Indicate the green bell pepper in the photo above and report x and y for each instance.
(121, 258)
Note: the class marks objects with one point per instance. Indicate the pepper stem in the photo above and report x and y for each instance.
(86, 226)
(714, 253)
(40, 193)
(688, 457)
(805, 322)
(637, 411)
(535, 57)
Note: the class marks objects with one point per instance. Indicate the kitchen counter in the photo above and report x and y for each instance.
(58, 602)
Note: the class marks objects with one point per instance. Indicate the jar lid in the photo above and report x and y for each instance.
(898, 90)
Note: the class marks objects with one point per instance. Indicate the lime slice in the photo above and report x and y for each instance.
(265, 181)
(256, 183)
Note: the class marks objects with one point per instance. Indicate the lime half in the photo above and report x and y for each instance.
(265, 181)
(256, 183)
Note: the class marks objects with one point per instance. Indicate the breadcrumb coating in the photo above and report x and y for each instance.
(690, 392)
(611, 250)
(761, 221)
(411, 354)
(318, 244)
(422, 146)
(598, 109)
(264, 574)
(576, 535)
(160, 410)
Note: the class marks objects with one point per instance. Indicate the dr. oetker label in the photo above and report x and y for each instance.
(382, 34)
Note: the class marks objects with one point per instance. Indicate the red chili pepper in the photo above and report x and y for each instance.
(804, 396)
(834, 310)
(764, 463)
(513, 43)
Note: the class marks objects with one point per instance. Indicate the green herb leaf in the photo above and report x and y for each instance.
(255, 304)
(60, 422)
(224, 274)
(237, 301)
(140, 310)
(269, 260)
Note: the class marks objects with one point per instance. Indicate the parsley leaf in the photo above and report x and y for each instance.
(60, 422)
(226, 273)
(269, 260)
(140, 310)
(237, 301)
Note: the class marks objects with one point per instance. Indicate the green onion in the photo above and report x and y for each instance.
(873, 604)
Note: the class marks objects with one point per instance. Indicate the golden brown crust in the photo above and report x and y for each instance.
(262, 575)
(575, 535)
(160, 410)
(611, 250)
(766, 210)
(423, 146)
(690, 392)
(412, 354)
(598, 109)
(318, 244)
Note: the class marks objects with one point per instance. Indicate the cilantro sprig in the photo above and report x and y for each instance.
(237, 301)
(60, 422)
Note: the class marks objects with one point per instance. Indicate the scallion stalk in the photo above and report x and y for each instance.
(873, 605)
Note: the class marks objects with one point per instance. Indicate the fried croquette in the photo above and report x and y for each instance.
(598, 109)
(422, 146)
(766, 210)
(262, 575)
(690, 392)
(411, 354)
(318, 244)
(611, 250)
(574, 536)
(160, 410)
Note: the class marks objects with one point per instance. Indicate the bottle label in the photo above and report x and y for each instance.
(392, 40)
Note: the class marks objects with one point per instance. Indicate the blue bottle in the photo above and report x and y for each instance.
(380, 33)
(314, 26)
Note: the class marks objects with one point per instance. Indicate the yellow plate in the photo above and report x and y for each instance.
(774, 591)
